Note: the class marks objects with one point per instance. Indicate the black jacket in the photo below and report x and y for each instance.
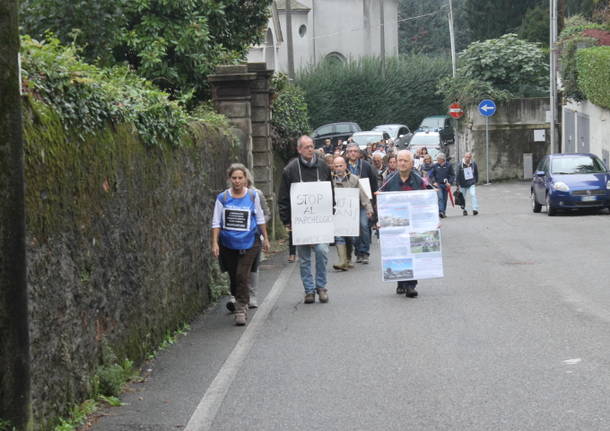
(291, 175)
(438, 174)
(367, 171)
(461, 181)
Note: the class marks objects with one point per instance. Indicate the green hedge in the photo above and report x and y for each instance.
(594, 74)
(371, 92)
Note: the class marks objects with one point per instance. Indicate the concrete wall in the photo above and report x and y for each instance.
(597, 141)
(511, 135)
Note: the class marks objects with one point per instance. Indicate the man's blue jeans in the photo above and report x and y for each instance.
(470, 194)
(304, 253)
(363, 243)
(442, 198)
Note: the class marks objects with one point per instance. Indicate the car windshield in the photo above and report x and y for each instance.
(432, 123)
(363, 140)
(577, 165)
(424, 140)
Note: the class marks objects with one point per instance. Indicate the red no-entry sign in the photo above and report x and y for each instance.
(456, 110)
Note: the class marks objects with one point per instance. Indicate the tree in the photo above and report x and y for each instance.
(488, 19)
(535, 25)
(15, 402)
(175, 43)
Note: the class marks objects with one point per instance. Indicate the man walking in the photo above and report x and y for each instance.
(342, 178)
(467, 178)
(406, 179)
(363, 170)
(442, 176)
(307, 167)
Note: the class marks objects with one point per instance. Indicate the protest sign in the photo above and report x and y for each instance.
(366, 185)
(311, 206)
(409, 234)
(347, 212)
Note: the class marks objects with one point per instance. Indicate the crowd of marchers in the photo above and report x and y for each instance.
(239, 231)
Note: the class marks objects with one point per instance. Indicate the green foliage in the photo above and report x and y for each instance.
(87, 98)
(507, 63)
(290, 117)
(468, 90)
(174, 43)
(491, 19)
(6, 425)
(78, 416)
(418, 33)
(535, 25)
(370, 93)
(594, 74)
(110, 379)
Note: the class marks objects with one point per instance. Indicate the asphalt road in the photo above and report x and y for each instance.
(515, 337)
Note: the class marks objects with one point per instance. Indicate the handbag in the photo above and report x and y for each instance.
(459, 198)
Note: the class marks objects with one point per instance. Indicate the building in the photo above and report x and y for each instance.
(327, 29)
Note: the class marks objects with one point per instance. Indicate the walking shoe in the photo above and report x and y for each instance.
(231, 304)
(441, 215)
(465, 212)
(358, 259)
(253, 302)
(475, 212)
(323, 294)
(310, 298)
(240, 318)
(365, 259)
(411, 292)
(400, 290)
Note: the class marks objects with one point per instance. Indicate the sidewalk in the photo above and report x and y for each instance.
(177, 379)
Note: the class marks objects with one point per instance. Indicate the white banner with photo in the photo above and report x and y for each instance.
(311, 207)
(410, 235)
(347, 211)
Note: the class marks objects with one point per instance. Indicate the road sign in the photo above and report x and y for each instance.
(456, 110)
(487, 108)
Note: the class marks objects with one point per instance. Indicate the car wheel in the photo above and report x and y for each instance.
(550, 211)
(536, 207)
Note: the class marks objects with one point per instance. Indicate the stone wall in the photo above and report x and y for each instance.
(117, 246)
(512, 134)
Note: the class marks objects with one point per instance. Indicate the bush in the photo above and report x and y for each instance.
(290, 117)
(594, 74)
(371, 92)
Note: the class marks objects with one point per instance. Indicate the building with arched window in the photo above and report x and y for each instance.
(336, 30)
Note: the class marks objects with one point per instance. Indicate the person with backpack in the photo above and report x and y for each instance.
(237, 224)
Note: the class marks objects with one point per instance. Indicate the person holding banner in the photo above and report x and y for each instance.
(342, 178)
(308, 168)
(237, 223)
(405, 179)
(368, 178)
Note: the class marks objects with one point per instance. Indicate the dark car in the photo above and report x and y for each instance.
(570, 181)
(334, 132)
(440, 124)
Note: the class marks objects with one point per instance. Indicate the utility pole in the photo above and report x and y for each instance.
(382, 34)
(289, 39)
(555, 147)
(15, 397)
(456, 140)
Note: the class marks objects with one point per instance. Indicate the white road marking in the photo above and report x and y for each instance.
(205, 413)
(572, 361)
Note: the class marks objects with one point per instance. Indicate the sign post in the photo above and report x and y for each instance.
(456, 111)
(487, 108)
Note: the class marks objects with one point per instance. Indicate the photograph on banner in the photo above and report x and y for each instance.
(311, 207)
(347, 211)
(426, 242)
(397, 269)
(366, 185)
(420, 206)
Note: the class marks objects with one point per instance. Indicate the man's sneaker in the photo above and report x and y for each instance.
(411, 292)
(231, 304)
(240, 318)
(465, 212)
(365, 259)
(475, 212)
(253, 302)
(323, 294)
(310, 298)
(359, 259)
(441, 215)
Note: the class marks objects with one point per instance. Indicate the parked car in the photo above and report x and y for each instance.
(568, 181)
(430, 140)
(364, 138)
(334, 132)
(440, 124)
(400, 134)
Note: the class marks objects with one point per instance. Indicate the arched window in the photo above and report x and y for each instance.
(269, 50)
(335, 58)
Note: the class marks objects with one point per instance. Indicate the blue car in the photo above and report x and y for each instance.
(570, 181)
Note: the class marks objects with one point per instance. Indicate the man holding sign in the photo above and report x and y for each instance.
(368, 179)
(305, 205)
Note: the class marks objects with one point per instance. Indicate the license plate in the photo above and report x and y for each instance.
(588, 198)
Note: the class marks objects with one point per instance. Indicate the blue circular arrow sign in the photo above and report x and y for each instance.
(487, 108)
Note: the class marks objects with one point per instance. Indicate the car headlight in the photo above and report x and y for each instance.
(608, 185)
(561, 186)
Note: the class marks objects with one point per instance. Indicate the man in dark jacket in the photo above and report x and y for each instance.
(306, 167)
(467, 178)
(362, 169)
(442, 176)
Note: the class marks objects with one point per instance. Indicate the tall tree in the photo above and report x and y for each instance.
(489, 19)
(14, 336)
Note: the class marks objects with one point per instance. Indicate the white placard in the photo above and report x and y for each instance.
(409, 234)
(366, 185)
(468, 173)
(311, 207)
(347, 211)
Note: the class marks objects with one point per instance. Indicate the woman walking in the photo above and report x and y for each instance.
(237, 224)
